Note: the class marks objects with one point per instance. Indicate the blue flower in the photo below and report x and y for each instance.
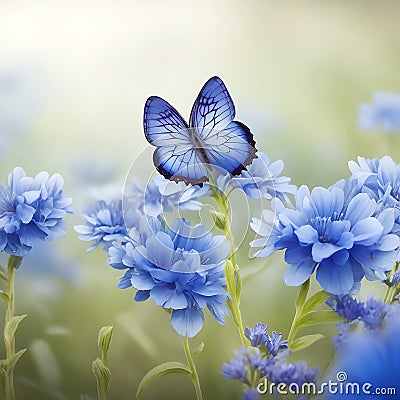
(259, 337)
(237, 367)
(251, 394)
(371, 314)
(380, 178)
(394, 279)
(342, 237)
(180, 268)
(104, 225)
(31, 210)
(262, 179)
(161, 195)
(342, 336)
(263, 359)
(383, 113)
(274, 344)
(245, 363)
(371, 357)
(297, 373)
(374, 312)
(346, 306)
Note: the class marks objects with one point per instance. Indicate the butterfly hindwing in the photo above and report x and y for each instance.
(231, 149)
(179, 164)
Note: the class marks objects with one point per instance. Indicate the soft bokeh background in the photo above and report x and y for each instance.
(74, 76)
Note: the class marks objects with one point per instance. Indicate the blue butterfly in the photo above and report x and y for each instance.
(212, 140)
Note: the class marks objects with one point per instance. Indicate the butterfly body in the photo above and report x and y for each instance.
(211, 140)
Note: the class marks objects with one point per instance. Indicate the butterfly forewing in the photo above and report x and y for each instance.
(213, 108)
(163, 125)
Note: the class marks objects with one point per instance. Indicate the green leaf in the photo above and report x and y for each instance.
(4, 296)
(219, 219)
(171, 367)
(103, 376)
(11, 327)
(305, 341)
(10, 362)
(3, 374)
(104, 340)
(14, 261)
(319, 317)
(315, 300)
(230, 307)
(3, 275)
(302, 296)
(239, 282)
(198, 349)
(230, 278)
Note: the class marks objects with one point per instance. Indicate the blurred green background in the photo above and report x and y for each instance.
(74, 76)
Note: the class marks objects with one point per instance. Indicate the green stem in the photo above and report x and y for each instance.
(194, 376)
(13, 263)
(237, 317)
(101, 391)
(300, 301)
(392, 290)
(222, 201)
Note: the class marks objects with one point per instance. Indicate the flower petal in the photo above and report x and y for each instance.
(334, 278)
(297, 274)
(187, 322)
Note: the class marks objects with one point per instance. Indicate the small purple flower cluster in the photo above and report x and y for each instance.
(265, 358)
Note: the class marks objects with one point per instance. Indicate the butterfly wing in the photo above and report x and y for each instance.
(231, 149)
(175, 158)
(163, 124)
(213, 108)
(226, 144)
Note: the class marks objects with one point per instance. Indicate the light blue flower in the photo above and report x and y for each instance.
(161, 195)
(104, 225)
(380, 178)
(382, 114)
(371, 357)
(341, 237)
(262, 179)
(179, 267)
(31, 210)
